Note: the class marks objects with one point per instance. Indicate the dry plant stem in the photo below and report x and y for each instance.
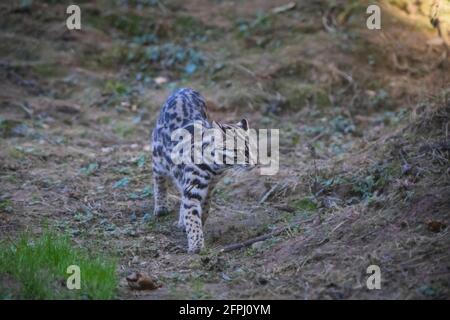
(436, 23)
(263, 237)
(268, 193)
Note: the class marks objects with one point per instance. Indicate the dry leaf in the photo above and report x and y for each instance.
(141, 281)
(436, 226)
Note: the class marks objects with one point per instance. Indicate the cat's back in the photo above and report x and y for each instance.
(183, 107)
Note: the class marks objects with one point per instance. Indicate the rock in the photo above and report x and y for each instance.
(161, 80)
(258, 245)
(132, 233)
(227, 180)
(110, 227)
(225, 276)
(107, 149)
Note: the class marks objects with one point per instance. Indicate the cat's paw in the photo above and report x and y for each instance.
(196, 247)
(161, 211)
(194, 250)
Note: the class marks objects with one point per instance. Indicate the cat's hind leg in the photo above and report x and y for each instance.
(160, 195)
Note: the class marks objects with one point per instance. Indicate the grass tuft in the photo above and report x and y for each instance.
(36, 268)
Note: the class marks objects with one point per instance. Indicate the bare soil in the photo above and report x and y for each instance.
(364, 142)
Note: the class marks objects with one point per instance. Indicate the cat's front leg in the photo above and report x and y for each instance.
(191, 214)
(194, 189)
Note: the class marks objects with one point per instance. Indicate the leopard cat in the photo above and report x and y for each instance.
(195, 182)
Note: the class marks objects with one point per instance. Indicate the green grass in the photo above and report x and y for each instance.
(6, 205)
(198, 290)
(114, 86)
(124, 130)
(305, 204)
(37, 267)
(47, 70)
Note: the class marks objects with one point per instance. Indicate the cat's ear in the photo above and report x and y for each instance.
(243, 124)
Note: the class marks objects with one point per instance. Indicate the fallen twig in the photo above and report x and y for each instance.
(268, 194)
(245, 70)
(263, 237)
(25, 107)
(284, 8)
(329, 27)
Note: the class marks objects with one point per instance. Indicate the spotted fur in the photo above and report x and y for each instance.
(195, 182)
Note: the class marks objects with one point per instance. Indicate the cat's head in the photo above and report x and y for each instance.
(236, 150)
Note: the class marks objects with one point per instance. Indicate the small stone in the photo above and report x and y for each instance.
(225, 276)
(133, 217)
(146, 148)
(110, 227)
(107, 149)
(227, 180)
(258, 245)
(132, 233)
(161, 80)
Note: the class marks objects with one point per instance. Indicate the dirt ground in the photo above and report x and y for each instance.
(364, 141)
